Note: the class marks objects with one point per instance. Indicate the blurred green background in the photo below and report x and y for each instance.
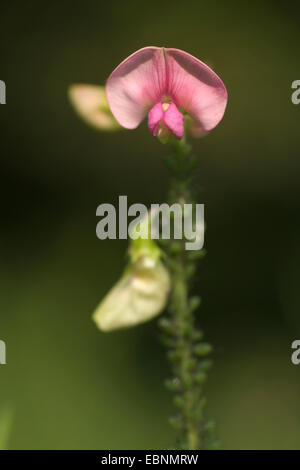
(70, 385)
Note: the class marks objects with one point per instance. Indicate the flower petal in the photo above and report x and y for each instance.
(196, 89)
(138, 296)
(154, 117)
(90, 103)
(174, 120)
(152, 73)
(136, 85)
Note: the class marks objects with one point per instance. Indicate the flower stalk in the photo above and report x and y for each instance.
(186, 352)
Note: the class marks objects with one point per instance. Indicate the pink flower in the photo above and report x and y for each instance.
(169, 85)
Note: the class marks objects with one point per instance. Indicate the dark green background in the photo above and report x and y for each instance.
(70, 385)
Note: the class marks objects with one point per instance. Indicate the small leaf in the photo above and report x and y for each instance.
(197, 335)
(172, 384)
(195, 302)
(191, 363)
(188, 382)
(202, 349)
(209, 426)
(178, 401)
(194, 162)
(195, 255)
(166, 325)
(190, 270)
(174, 356)
(200, 377)
(213, 445)
(205, 364)
(175, 422)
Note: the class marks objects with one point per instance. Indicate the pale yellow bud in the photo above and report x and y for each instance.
(141, 294)
(91, 105)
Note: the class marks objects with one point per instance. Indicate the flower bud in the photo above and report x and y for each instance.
(91, 105)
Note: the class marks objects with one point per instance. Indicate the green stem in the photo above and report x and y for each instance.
(183, 323)
(185, 352)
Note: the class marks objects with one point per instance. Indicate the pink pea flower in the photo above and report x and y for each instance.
(169, 85)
